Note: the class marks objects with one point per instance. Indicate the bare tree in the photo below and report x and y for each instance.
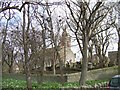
(118, 55)
(101, 42)
(17, 40)
(25, 47)
(55, 39)
(116, 13)
(118, 31)
(6, 43)
(45, 19)
(117, 9)
(9, 5)
(84, 21)
(26, 41)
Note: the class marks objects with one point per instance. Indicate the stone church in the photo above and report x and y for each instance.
(64, 49)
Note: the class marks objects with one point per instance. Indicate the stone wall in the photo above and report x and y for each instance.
(73, 77)
(113, 57)
(105, 73)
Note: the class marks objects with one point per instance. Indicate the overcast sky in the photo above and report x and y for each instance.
(59, 12)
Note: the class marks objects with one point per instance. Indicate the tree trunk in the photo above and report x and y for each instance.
(54, 62)
(11, 61)
(101, 61)
(43, 59)
(118, 54)
(27, 62)
(84, 62)
(61, 65)
(28, 76)
(61, 71)
(10, 69)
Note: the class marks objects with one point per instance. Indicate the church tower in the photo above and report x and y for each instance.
(65, 47)
(65, 40)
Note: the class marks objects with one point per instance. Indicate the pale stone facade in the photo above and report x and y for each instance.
(65, 52)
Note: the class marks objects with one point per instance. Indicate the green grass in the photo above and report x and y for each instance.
(12, 83)
(95, 82)
(71, 84)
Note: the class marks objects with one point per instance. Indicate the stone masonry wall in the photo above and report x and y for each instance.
(113, 57)
(105, 73)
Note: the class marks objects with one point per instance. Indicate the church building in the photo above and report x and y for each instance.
(65, 52)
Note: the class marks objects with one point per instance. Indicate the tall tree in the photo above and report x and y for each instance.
(101, 43)
(118, 31)
(55, 37)
(85, 18)
(25, 46)
(117, 8)
(7, 16)
(46, 21)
